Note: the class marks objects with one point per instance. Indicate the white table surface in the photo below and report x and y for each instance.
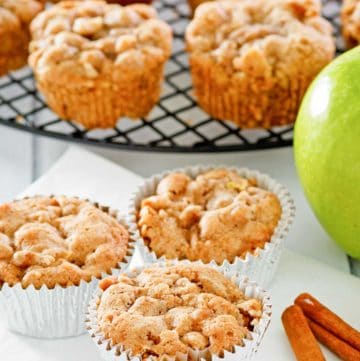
(80, 173)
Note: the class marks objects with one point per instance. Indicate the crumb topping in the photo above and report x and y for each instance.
(261, 37)
(350, 17)
(15, 17)
(218, 215)
(57, 240)
(163, 311)
(21, 11)
(91, 37)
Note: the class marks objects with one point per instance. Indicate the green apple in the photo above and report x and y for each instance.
(327, 149)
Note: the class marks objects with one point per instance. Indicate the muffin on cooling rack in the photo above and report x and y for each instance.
(350, 18)
(95, 62)
(15, 17)
(252, 60)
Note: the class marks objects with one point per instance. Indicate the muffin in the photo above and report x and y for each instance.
(53, 250)
(15, 17)
(231, 217)
(350, 18)
(252, 60)
(160, 313)
(219, 216)
(95, 62)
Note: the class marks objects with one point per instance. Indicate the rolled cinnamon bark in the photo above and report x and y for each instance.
(320, 314)
(333, 343)
(302, 340)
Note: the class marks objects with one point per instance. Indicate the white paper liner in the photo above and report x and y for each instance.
(251, 345)
(58, 312)
(259, 266)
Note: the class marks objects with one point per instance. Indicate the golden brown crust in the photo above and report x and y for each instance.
(217, 216)
(165, 310)
(350, 18)
(57, 241)
(110, 57)
(96, 103)
(252, 61)
(15, 17)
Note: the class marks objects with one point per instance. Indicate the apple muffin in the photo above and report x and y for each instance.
(350, 18)
(218, 215)
(95, 62)
(162, 311)
(15, 17)
(252, 60)
(57, 241)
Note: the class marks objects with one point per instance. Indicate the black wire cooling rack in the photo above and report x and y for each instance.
(176, 123)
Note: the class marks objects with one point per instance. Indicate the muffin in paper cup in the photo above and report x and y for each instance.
(246, 351)
(259, 265)
(55, 312)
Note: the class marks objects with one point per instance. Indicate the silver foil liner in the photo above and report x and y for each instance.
(260, 265)
(58, 312)
(247, 351)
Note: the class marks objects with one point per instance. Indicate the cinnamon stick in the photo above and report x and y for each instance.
(334, 344)
(320, 314)
(302, 340)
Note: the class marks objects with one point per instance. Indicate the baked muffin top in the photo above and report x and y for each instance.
(165, 310)
(89, 38)
(57, 241)
(15, 17)
(261, 37)
(350, 17)
(218, 215)
(18, 11)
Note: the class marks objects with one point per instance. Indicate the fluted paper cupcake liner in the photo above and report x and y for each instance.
(259, 265)
(58, 312)
(247, 351)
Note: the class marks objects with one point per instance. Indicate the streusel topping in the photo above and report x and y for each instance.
(165, 310)
(57, 240)
(22, 11)
(258, 36)
(91, 37)
(217, 216)
(350, 17)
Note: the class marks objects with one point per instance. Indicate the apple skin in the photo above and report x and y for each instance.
(327, 149)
